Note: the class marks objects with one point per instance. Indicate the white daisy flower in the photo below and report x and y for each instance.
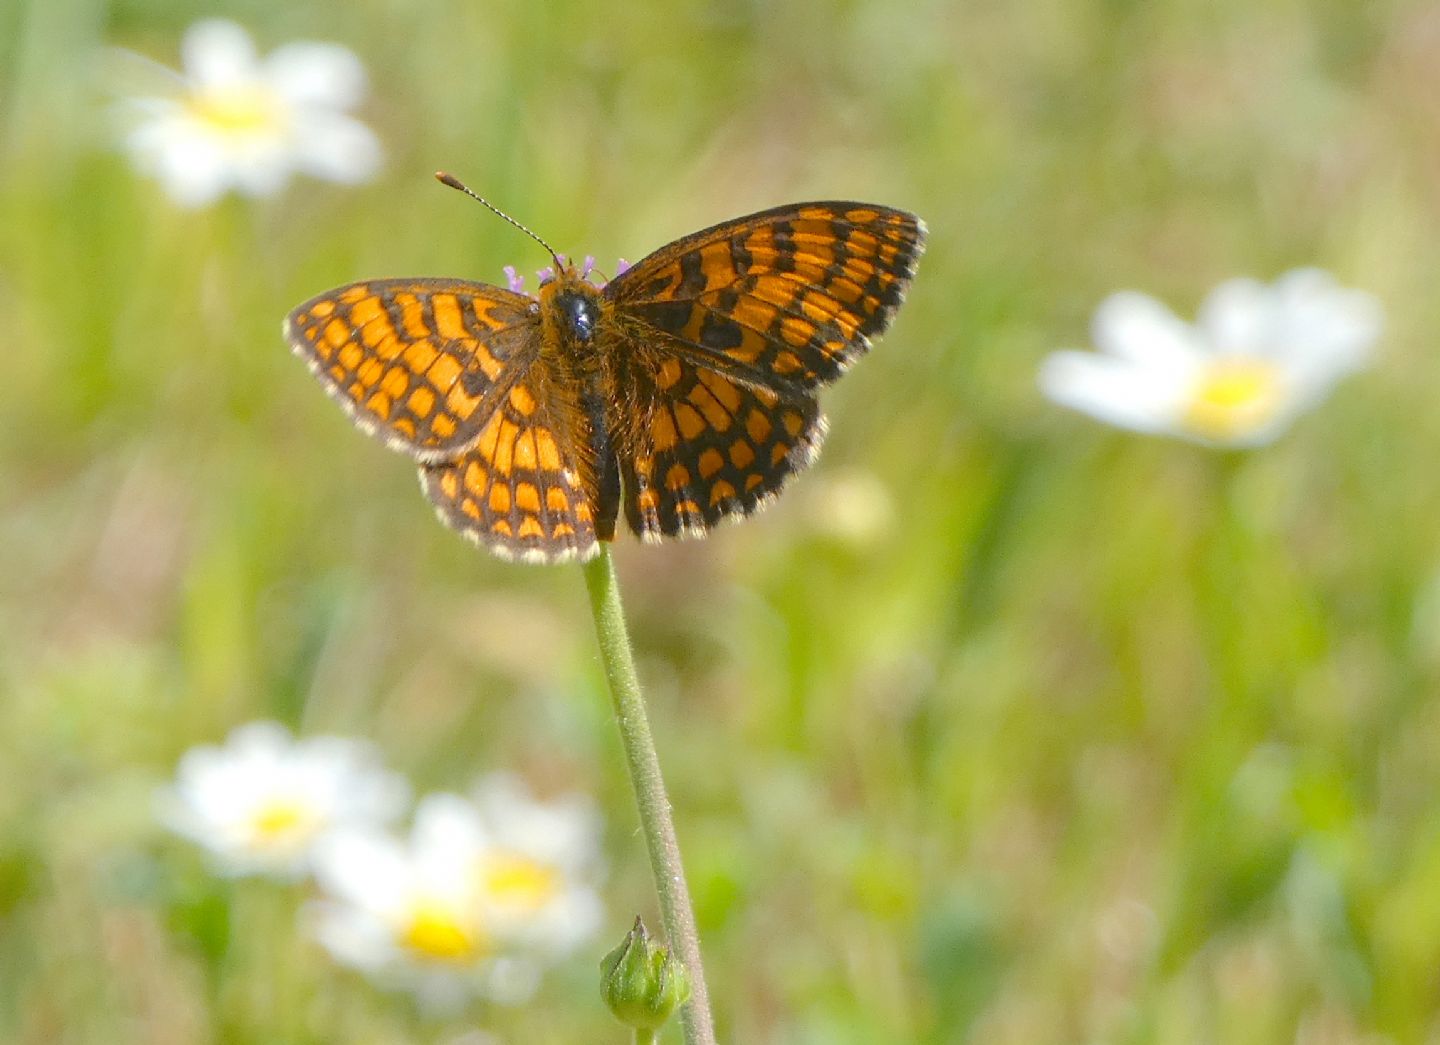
(1257, 357)
(471, 904)
(537, 867)
(235, 122)
(260, 803)
(409, 913)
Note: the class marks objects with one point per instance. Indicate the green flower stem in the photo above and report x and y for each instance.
(644, 1037)
(650, 797)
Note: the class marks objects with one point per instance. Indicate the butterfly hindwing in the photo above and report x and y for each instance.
(704, 446)
(520, 489)
(791, 295)
(414, 359)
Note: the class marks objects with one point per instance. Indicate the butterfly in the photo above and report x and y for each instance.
(682, 391)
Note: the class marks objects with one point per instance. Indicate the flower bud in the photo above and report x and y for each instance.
(641, 982)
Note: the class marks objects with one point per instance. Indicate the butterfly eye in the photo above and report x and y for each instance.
(580, 313)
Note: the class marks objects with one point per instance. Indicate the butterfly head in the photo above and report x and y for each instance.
(571, 302)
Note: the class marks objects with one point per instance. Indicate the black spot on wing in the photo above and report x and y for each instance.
(785, 246)
(720, 333)
(692, 275)
(740, 255)
(667, 315)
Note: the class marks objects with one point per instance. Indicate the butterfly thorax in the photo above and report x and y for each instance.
(571, 318)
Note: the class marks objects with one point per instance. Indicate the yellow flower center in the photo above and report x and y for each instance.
(241, 111)
(437, 931)
(1233, 398)
(519, 882)
(282, 822)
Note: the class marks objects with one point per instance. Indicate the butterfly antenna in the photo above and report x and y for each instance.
(445, 178)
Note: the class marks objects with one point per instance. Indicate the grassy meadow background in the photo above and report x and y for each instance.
(1001, 726)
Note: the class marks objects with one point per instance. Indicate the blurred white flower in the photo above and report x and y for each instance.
(1257, 357)
(408, 913)
(260, 803)
(236, 122)
(537, 868)
(472, 904)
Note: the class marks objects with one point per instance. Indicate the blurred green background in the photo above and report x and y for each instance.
(1001, 726)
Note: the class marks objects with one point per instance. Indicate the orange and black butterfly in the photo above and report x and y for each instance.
(684, 389)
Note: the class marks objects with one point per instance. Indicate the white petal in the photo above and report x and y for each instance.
(193, 170)
(366, 869)
(199, 763)
(563, 832)
(1144, 399)
(336, 148)
(1134, 326)
(362, 791)
(448, 828)
(344, 777)
(215, 785)
(1327, 328)
(195, 182)
(333, 762)
(317, 74)
(262, 737)
(352, 936)
(1305, 284)
(260, 171)
(1239, 317)
(218, 53)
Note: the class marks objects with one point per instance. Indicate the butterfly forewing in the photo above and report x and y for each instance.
(416, 360)
(791, 296)
(521, 489)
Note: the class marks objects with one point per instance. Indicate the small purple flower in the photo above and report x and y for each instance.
(621, 266)
(516, 282)
(546, 274)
